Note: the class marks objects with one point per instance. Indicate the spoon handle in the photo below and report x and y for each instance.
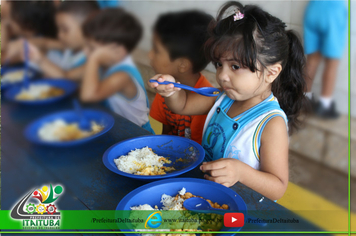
(77, 107)
(25, 79)
(186, 87)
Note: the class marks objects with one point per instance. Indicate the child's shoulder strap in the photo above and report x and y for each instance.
(131, 70)
(256, 139)
(259, 110)
(253, 113)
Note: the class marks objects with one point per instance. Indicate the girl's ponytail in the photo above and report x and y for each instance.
(289, 87)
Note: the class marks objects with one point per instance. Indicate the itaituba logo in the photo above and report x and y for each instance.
(37, 209)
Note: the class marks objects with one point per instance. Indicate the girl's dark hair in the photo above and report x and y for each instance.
(37, 16)
(257, 41)
(113, 25)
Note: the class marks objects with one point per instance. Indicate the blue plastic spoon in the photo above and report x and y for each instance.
(26, 82)
(201, 205)
(205, 91)
(84, 123)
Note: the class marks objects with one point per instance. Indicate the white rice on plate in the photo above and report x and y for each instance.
(142, 162)
(13, 76)
(34, 91)
(60, 130)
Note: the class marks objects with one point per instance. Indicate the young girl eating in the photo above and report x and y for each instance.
(259, 67)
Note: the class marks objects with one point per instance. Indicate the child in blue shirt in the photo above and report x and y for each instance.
(65, 58)
(324, 39)
(110, 73)
(259, 67)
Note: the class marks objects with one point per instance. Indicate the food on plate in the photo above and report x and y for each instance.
(60, 130)
(210, 222)
(39, 92)
(143, 162)
(13, 76)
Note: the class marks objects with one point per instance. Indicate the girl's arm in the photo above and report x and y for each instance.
(46, 43)
(94, 90)
(13, 52)
(75, 74)
(49, 69)
(272, 178)
(179, 101)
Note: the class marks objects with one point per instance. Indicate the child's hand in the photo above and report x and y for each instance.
(225, 171)
(34, 54)
(164, 90)
(16, 49)
(109, 54)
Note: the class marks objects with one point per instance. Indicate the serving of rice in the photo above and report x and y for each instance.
(13, 76)
(39, 92)
(60, 130)
(143, 162)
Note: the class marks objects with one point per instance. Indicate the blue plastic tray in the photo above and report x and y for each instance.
(151, 194)
(68, 86)
(173, 147)
(31, 132)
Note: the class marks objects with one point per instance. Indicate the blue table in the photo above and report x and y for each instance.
(87, 183)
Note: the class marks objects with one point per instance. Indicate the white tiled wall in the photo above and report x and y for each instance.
(291, 12)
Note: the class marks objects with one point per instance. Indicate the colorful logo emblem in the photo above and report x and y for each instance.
(44, 214)
(154, 220)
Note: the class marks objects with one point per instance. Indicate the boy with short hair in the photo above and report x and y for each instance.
(110, 73)
(178, 41)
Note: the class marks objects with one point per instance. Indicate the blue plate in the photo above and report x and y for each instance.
(151, 194)
(173, 147)
(68, 86)
(31, 132)
(5, 70)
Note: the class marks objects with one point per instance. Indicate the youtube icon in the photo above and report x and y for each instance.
(234, 219)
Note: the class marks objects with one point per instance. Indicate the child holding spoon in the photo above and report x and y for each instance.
(260, 69)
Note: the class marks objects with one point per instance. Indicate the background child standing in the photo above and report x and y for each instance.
(324, 39)
(259, 66)
(178, 41)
